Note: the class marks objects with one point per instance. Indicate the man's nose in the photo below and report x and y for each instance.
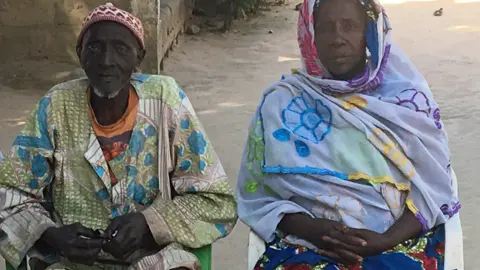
(107, 57)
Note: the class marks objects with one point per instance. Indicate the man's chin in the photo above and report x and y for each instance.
(106, 93)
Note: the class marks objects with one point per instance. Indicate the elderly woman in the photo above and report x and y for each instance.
(347, 164)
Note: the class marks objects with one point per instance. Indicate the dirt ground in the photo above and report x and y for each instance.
(224, 76)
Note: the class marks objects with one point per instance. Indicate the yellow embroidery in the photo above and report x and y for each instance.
(347, 106)
(377, 180)
(354, 101)
(411, 206)
(392, 152)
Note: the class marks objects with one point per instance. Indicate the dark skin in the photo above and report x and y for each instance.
(340, 28)
(349, 246)
(109, 53)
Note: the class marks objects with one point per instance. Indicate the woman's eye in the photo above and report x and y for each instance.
(349, 26)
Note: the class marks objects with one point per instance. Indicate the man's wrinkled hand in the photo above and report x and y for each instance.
(75, 242)
(127, 234)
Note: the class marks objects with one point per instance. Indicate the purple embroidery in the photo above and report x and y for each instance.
(370, 86)
(450, 212)
(436, 114)
(422, 220)
(414, 100)
(375, 82)
(360, 80)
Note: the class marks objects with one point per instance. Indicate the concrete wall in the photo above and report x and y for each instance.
(47, 29)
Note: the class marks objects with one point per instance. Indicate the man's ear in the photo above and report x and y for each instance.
(79, 53)
(140, 56)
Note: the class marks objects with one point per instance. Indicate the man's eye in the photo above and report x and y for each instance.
(93, 48)
(122, 48)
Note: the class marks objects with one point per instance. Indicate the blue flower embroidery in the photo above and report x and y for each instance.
(33, 184)
(221, 229)
(148, 159)
(115, 212)
(185, 165)
(308, 118)
(150, 131)
(131, 172)
(197, 143)
(185, 123)
(139, 194)
(102, 194)
(180, 150)
(202, 165)
(23, 154)
(137, 143)
(154, 183)
(302, 148)
(100, 171)
(181, 94)
(282, 135)
(39, 166)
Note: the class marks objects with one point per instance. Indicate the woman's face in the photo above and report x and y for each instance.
(340, 27)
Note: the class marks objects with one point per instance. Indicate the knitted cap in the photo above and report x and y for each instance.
(109, 12)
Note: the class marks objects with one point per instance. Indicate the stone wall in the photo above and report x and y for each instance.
(47, 29)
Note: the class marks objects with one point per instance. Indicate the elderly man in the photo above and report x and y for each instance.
(113, 171)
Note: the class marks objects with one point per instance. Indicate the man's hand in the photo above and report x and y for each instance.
(76, 242)
(127, 234)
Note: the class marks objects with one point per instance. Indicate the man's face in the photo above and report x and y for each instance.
(340, 27)
(109, 54)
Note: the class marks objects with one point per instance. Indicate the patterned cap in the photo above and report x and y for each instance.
(109, 12)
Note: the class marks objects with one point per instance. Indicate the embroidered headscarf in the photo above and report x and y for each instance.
(376, 142)
(378, 35)
(109, 12)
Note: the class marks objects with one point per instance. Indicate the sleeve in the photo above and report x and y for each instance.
(24, 174)
(204, 208)
(262, 201)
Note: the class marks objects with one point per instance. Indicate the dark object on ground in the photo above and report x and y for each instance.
(298, 6)
(270, 31)
(438, 13)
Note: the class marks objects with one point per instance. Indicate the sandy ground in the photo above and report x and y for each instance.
(224, 76)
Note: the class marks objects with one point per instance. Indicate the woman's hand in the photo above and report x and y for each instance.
(316, 231)
(375, 243)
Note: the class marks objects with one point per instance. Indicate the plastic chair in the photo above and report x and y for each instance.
(203, 254)
(453, 241)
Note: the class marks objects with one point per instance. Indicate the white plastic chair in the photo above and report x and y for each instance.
(453, 241)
